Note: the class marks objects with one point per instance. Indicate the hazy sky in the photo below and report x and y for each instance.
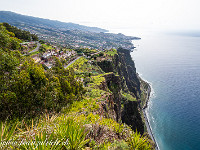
(109, 14)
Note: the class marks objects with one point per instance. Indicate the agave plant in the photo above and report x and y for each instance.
(138, 142)
(42, 141)
(73, 133)
(6, 133)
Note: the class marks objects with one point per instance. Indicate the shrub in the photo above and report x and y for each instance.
(73, 133)
(42, 141)
(138, 142)
(6, 133)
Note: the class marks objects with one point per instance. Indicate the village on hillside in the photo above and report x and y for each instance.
(44, 53)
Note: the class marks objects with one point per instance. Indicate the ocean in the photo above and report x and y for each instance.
(171, 63)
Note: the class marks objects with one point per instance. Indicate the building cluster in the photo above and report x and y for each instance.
(47, 58)
(82, 39)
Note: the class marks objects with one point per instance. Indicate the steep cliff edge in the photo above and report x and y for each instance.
(125, 86)
(113, 83)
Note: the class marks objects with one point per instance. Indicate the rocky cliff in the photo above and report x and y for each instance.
(125, 86)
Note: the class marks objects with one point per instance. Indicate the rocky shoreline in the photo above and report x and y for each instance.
(149, 130)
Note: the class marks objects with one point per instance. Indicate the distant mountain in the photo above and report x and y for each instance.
(68, 34)
(18, 20)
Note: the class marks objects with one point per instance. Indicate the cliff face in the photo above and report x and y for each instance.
(126, 68)
(124, 79)
(114, 85)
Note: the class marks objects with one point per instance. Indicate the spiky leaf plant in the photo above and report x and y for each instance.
(138, 142)
(6, 134)
(42, 141)
(73, 133)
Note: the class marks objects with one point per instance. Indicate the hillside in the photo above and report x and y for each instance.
(68, 34)
(88, 100)
(18, 19)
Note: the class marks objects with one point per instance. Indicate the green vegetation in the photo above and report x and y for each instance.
(27, 88)
(33, 47)
(78, 63)
(6, 132)
(21, 34)
(128, 96)
(74, 134)
(136, 141)
(8, 39)
(84, 68)
(42, 142)
(36, 52)
(42, 49)
(86, 51)
(47, 46)
(111, 52)
(59, 108)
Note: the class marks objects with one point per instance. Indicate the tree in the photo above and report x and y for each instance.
(21, 34)
(8, 39)
(42, 49)
(34, 37)
(27, 89)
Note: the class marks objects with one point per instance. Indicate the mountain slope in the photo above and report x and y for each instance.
(17, 19)
(68, 34)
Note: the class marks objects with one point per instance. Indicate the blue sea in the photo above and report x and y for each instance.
(171, 63)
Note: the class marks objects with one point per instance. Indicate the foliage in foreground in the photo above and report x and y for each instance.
(6, 133)
(138, 142)
(26, 88)
(65, 132)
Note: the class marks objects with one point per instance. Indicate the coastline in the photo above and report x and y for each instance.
(143, 107)
(149, 130)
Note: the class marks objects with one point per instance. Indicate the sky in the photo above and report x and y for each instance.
(111, 14)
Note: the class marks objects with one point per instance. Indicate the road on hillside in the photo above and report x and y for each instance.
(72, 61)
(36, 49)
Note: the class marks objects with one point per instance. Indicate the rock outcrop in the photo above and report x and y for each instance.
(114, 85)
(124, 78)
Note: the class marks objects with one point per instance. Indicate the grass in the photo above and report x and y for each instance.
(111, 52)
(48, 133)
(95, 93)
(67, 130)
(34, 53)
(76, 65)
(47, 47)
(79, 62)
(97, 80)
(85, 68)
(86, 105)
(128, 96)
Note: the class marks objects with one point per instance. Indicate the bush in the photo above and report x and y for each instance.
(42, 141)
(138, 142)
(73, 133)
(6, 133)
